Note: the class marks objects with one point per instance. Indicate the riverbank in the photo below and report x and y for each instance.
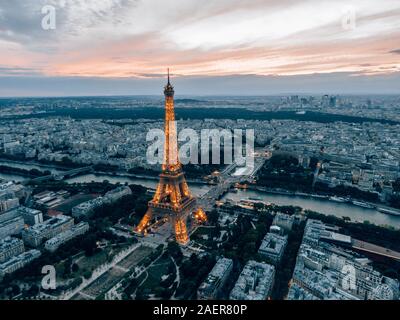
(55, 169)
(32, 173)
(356, 202)
(322, 205)
(198, 189)
(141, 176)
(281, 197)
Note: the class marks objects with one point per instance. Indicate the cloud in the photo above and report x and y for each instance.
(21, 23)
(140, 38)
(12, 71)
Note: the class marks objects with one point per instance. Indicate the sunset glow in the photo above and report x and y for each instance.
(139, 38)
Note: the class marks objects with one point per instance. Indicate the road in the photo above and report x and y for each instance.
(227, 180)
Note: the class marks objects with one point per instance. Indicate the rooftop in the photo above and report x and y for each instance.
(51, 223)
(254, 282)
(9, 242)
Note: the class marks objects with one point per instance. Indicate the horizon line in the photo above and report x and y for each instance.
(283, 94)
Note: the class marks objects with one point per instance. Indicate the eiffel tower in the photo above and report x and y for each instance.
(172, 199)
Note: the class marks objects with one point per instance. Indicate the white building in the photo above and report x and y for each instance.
(255, 282)
(10, 247)
(18, 262)
(35, 235)
(273, 247)
(116, 194)
(31, 216)
(8, 204)
(54, 243)
(86, 208)
(284, 221)
(216, 279)
(11, 227)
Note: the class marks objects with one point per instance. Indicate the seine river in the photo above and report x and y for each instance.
(324, 206)
(197, 189)
(26, 166)
(320, 205)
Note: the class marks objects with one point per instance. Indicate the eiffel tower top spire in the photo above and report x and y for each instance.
(168, 89)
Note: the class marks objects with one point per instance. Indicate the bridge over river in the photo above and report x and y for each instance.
(60, 175)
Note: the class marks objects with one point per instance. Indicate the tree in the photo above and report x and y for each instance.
(33, 290)
(166, 294)
(88, 244)
(67, 267)
(175, 251)
(213, 217)
(75, 268)
(87, 274)
(396, 185)
(15, 290)
(166, 283)
(141, 208)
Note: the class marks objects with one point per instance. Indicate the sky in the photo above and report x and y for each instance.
(252, 47)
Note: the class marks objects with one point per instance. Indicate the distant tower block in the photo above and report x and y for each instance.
(173, 199)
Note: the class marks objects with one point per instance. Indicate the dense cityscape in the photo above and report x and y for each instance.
(187, 159)
(69, 180)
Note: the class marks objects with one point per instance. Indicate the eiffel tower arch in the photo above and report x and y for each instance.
(172, 200)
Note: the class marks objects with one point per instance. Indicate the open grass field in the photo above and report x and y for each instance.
(155, 273)
(92, 262)
(135, 257)
(110, 278)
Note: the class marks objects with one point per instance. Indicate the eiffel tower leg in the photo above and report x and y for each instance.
(181, 234)
(144, 222)
(200, 215)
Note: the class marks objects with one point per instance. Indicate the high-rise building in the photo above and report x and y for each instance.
(172, 199)
(332, 101)
(325, 101)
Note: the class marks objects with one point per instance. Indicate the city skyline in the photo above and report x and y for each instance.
(207, 154)
(123, 47)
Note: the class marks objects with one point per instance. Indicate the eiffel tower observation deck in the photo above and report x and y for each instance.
(172, 200)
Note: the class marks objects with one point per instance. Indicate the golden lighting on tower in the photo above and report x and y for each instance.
(172, 198)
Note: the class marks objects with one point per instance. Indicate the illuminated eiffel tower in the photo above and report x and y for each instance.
(173, 199)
